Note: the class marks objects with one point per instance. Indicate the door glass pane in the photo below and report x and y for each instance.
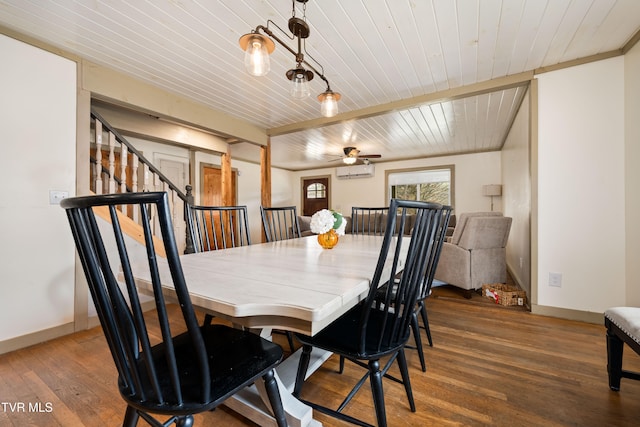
(316, 191)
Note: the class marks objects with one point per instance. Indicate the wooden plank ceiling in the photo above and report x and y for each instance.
(395, 62)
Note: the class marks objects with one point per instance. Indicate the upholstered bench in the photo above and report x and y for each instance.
(623, 326)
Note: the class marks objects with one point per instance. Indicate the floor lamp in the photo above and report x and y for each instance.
(492, 190)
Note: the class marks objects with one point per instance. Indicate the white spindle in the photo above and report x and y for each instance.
(173, 197)
(123, 173)
(134, 173)
(157, 183)
(98, 165)
(112, 163)
(145, 177)
(134, 182)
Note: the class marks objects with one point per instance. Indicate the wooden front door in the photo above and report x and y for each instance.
(315, 195)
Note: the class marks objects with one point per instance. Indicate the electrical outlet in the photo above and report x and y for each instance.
(555, 280)
(55, 197)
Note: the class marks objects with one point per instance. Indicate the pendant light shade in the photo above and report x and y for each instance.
(329, 103)
(300, 82)
(257, 49)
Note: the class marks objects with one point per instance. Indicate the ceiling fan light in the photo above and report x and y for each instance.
(329, 103)
(256, 53)
(349, 160)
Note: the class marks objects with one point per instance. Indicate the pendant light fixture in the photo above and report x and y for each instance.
(259, 46)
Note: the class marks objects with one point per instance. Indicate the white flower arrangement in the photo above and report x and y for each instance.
(324, 220)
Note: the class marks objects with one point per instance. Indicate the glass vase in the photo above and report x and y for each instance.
(329, 239)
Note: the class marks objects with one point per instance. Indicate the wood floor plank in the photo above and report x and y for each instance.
(489, 366)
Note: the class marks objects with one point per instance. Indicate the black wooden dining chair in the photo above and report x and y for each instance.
(432, 264)
(373, 330)
(365, 220)
(161, 374)
(218, 227)
(280, 223)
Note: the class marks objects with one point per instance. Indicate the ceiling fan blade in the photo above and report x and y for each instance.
(370, 156)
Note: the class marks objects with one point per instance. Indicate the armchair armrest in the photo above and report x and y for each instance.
(454, 266)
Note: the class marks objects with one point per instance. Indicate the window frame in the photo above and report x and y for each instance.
(450, 168)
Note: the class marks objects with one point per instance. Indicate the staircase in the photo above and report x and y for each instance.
(117, 167)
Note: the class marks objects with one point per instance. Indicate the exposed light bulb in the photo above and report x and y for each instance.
(329, 103)
(256, 57)
(329, 106)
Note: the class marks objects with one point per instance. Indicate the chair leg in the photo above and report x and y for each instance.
(416, 336)
(186, 421)
(375, 378)
(303, 365)
(404, 371)
(207, 320)
(271, 386)
(615, 348)
(130, 417)
(290, 339)
(341, 368)
(425, 321)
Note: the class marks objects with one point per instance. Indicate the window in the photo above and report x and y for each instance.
(429, 185)
(316, 191)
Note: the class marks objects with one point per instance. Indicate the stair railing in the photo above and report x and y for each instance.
(109, 174)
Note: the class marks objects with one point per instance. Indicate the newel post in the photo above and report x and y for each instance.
(189, 248)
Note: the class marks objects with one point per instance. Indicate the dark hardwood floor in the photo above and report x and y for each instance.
(490, 365)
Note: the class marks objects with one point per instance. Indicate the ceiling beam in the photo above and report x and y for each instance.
(117, 88)
(430, 98)
(136, 124)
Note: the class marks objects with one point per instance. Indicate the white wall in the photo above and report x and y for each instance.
(472, 171)
(632, 171)
(581, 186)
(516, 195)
(38, 139)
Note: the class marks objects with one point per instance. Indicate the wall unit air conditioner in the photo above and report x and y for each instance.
(356, 171)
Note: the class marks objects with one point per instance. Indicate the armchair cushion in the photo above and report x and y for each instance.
(462, 222)
(477, 252)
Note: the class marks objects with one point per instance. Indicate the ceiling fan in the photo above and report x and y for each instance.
(352, 156)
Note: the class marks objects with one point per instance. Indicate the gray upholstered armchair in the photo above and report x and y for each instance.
(476, 253)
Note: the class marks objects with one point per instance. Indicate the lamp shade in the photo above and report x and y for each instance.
(329, 103)
(492, 190)
(300, 79)
(257, 49)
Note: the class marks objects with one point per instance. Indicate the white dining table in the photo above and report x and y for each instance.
(291, 284)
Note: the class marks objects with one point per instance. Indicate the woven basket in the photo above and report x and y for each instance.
(504, 294)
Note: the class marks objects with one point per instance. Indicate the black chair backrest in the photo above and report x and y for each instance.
(368, 220)
(280, 223)
(218, 227)
(434, 256)
(403, 261)
(143, 376)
